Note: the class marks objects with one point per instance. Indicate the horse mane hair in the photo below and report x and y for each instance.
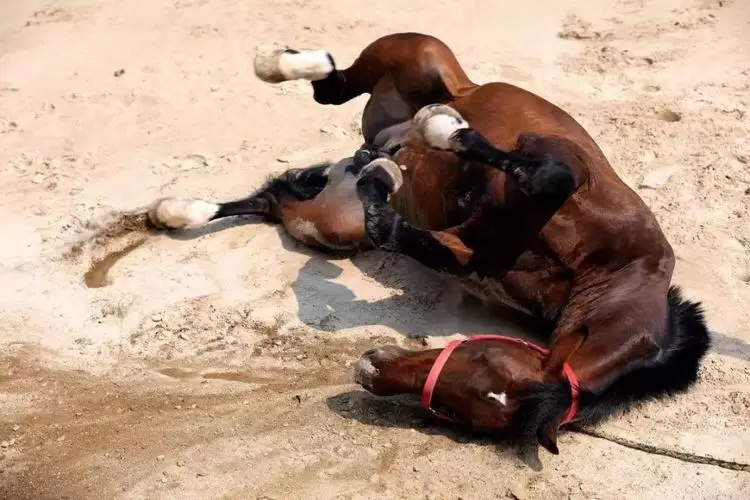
(673, 371)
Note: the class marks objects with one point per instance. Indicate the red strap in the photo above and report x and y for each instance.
(575, 392)
(432, 377)
(442, 359)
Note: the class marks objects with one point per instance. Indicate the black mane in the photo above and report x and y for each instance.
(674, 371)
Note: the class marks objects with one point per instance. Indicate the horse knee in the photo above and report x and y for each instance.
(274, 64)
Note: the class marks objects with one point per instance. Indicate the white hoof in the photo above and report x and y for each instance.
(173, 213)
(275, 64)
(386, 170)
(436, 124)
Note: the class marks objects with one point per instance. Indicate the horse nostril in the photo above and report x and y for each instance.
(370, 352)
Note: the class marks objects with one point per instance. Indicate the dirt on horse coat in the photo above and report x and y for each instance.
(509, 194)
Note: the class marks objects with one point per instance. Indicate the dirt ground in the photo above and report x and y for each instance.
(217, 364)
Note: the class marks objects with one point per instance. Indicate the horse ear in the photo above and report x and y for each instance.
(547, 437)
(563, 347)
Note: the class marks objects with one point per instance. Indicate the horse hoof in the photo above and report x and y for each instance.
(173, 213)
(386, 170)
(436, 124)
(362, 157)
(275, 63)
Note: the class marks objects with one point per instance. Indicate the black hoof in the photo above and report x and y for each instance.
(363, 156)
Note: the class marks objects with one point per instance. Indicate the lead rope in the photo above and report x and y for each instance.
(658, 450)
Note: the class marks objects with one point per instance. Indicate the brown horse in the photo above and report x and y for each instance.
(520, 206)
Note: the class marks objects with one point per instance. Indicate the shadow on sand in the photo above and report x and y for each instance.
(424, 304)
(404, 412)
(419, 303)
(416, 302)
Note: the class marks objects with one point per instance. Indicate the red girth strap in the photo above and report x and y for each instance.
(442, 359)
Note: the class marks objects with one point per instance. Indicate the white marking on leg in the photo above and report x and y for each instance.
(309, 65)
(174, 213)
(274, 64)
(501, 398)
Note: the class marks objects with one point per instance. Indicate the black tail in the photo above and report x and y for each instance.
(299, 184)
(252, 205)
(674, 371)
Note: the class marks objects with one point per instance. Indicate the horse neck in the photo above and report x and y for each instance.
(673, 369)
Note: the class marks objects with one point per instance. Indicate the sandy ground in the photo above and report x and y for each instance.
(217, 365)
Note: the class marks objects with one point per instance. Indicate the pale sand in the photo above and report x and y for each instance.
(102, 388)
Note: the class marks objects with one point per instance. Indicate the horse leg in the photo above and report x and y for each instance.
(330, 85)
(549, 180)
(422, 69)
(387, 230)
(295, 184)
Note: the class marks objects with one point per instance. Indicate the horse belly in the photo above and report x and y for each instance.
(334, 219)
(386, 107)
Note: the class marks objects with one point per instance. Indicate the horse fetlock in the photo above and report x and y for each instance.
(438, 125)
(274, 64)
(173, 213)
